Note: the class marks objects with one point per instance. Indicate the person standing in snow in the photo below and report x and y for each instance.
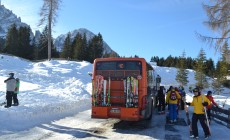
(161, 100)
(16, 92)
(209, 96)
(183, 94)
(199, 102)
(171, 99)
(10, 88)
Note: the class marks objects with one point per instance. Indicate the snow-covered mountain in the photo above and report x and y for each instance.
(59, 41)
(7, 18)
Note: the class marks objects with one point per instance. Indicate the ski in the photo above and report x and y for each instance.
(108, 102)
(98, 97)
(127, 92)
(104, 93)
(93, 94)
(132, 91)
(206, 116)
(125, 86)
(188, 118)
(100, 90)
(136, 96)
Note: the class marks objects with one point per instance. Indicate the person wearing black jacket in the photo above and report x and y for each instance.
(10, 88)
(161, 100)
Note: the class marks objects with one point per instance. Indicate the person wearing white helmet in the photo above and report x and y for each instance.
(10, 88)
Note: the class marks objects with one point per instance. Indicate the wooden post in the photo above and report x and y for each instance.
(228, 122)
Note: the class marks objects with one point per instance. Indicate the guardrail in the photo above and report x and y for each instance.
(221, 114)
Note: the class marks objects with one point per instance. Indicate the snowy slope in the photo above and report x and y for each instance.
(48, 89)
(55, 102)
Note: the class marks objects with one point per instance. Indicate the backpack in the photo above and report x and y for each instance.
(173, 95)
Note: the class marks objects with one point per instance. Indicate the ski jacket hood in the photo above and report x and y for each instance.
(197, 103)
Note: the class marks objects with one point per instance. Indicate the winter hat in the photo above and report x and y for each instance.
(195, 90)
(209, 92)
(11, 74)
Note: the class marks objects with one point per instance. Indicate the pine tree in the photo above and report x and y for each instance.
(67, 51)
(182, 73)
(12, 40)
(78, 47)
(209, 71)
(220, 78)
(221, 72)
(161, 62)
(200, 70)
(84, 47)
(95, 48)
(2, 44)
(169, 61)
(24, 49)
(43, 45)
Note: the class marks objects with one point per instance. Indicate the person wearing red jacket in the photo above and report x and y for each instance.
(209, 96)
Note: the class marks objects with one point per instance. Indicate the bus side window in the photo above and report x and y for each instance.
(150, 79)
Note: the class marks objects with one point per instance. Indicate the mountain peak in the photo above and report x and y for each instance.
(59, 41)
(7, 18)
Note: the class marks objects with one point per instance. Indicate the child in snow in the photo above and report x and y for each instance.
(209, 96)
(199, 102)
(16, 92)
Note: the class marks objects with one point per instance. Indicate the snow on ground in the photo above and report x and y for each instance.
(55, 99)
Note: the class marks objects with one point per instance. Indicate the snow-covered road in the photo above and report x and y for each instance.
(81, 126)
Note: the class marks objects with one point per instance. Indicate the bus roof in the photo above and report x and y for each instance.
(119, 59)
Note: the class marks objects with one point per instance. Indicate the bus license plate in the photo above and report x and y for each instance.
(115, 110)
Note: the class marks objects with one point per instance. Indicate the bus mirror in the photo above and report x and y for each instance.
(90, 74)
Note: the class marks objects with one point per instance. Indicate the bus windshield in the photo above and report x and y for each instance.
(119, 65)
(118, 69)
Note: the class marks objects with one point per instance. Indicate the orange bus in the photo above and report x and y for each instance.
(123, 88)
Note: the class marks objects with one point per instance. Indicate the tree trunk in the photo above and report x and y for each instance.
(49, 31)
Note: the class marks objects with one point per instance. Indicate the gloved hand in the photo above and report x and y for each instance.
(205, 103)
(187, 103)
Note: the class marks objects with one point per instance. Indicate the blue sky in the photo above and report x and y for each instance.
(130, 27)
